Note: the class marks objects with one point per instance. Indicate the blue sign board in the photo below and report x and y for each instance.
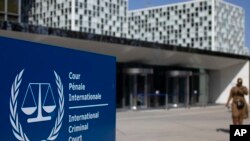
(53, 93)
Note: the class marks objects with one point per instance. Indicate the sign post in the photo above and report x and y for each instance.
(53, 93)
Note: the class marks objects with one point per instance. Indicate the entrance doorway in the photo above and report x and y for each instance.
(183, 88)
(139, 88)
(136, 87)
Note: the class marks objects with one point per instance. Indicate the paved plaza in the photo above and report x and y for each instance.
(209, 123)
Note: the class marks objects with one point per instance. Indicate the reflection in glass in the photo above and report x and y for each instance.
(13, 6)
(2, 5)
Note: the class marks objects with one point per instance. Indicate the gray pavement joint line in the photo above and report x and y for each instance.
(120, 131)
(162, 116)
(171, 114)
(184, 109)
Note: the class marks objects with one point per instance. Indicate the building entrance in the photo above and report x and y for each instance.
(185, 89)
(178, 86)
(136, 87)
(139, 88)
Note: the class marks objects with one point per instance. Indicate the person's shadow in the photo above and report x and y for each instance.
(223, 130)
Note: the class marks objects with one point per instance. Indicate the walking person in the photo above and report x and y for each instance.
(239, 105)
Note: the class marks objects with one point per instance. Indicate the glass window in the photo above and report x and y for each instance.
(210, 12)
(76, 3)
(13, 6)
(2, 5)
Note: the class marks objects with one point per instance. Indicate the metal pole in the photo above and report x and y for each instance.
(131, 100)
(19, 11)
(130, 91)
(166, 101)
(166, 97)
(176, 91)
(135, 93)
(124, 91)
(146, 91)
(6, 10)
(187, 92)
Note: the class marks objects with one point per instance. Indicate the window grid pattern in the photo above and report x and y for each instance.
(196, 24)
(229, 28)
(186, 24)
(105, 17)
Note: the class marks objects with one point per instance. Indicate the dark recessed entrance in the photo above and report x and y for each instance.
(136, 87)
(140, 88)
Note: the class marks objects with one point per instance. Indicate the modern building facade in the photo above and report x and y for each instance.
(173, 55)
(205, 24)
(229, 29)
(151, 75)
(10, 10)
(105, 17)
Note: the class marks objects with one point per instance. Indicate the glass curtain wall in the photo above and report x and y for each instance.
(9, 10)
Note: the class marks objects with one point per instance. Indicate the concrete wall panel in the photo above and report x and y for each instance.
(221, 81)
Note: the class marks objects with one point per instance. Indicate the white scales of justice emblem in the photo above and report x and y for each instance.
(47, 104)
